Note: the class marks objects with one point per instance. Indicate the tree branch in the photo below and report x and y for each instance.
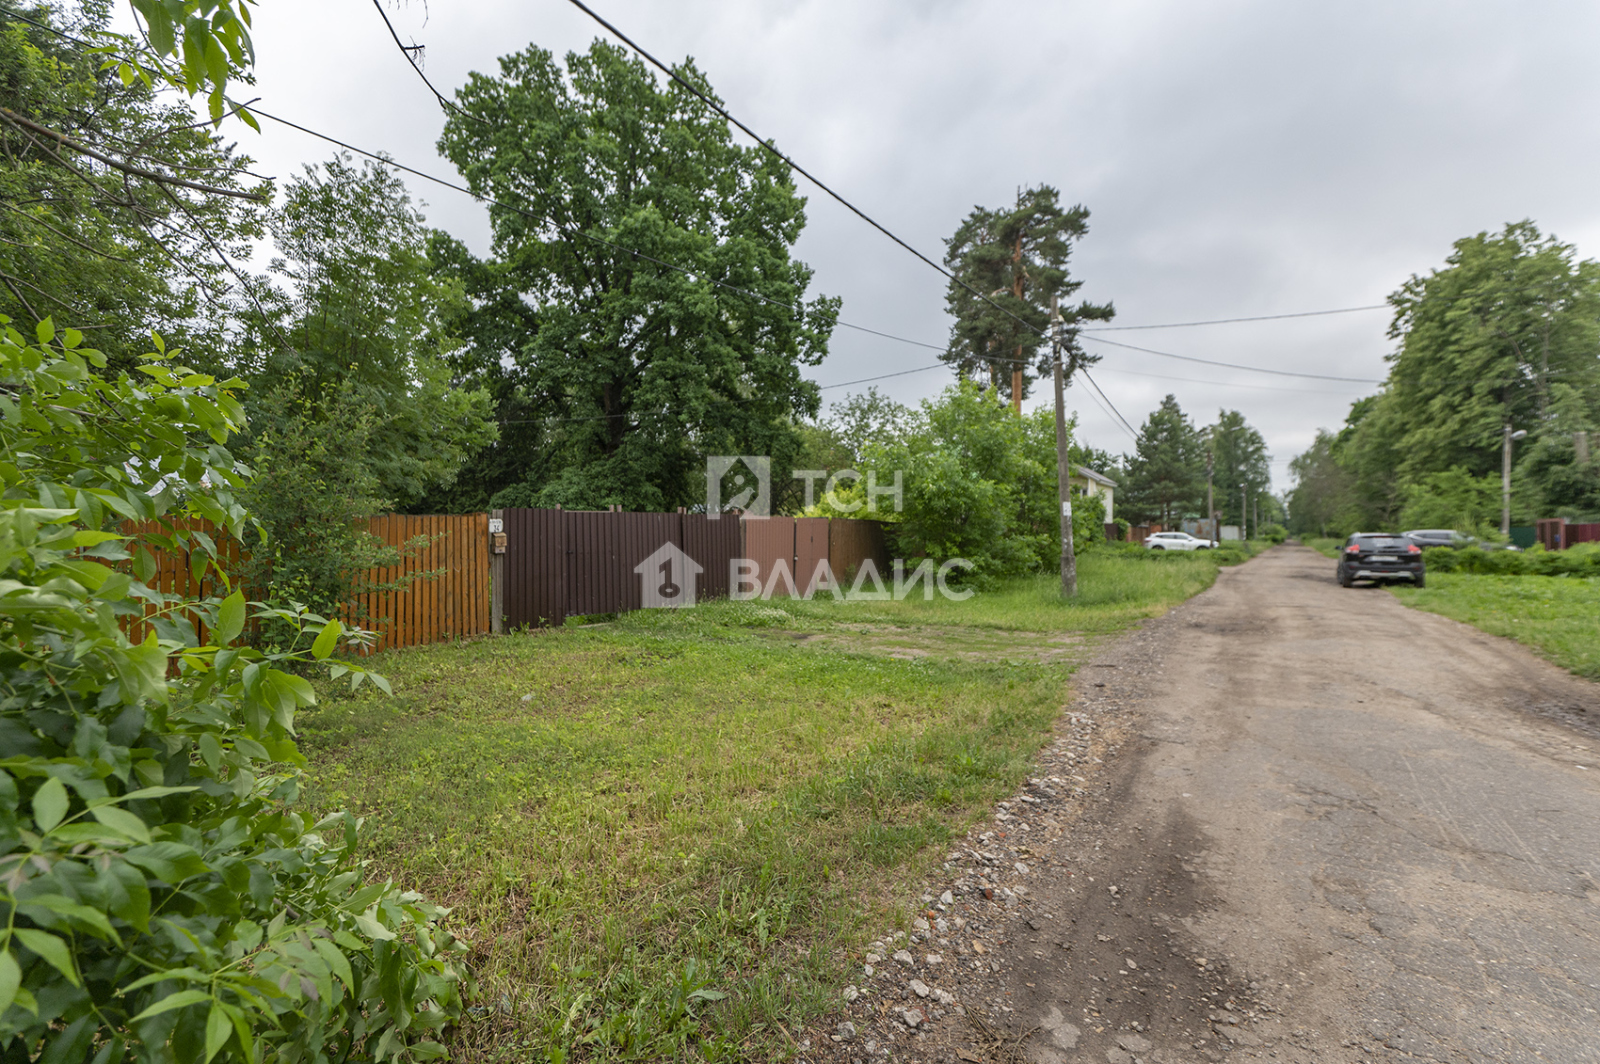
(117, 164)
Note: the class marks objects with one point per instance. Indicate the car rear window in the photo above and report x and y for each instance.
(1382, 542)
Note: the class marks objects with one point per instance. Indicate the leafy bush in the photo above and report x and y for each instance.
(979, 483)
(1274, 534)
(161, 900)
(1581, 560)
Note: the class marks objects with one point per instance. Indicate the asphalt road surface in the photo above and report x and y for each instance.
(1338, 830)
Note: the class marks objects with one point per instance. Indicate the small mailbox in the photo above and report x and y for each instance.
(498, 541)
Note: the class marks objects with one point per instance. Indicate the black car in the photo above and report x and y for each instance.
(1380, 556)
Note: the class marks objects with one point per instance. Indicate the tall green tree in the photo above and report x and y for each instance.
(1321, 492)
(1506, 328)
(119, 252)
(1241, 470)
(654, 255)
(356, 320)
(1506, 332)
(1008, 263)
(1166, 474)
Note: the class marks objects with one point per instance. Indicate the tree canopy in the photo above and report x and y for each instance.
(641, 306)
(1506, 332)
(1166, 473)
(118, 254)
(1008, 264)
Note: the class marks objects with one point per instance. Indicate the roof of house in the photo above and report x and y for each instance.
(1085, 471)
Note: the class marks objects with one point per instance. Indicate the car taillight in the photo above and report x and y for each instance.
(1413, 549)
(1352, 549)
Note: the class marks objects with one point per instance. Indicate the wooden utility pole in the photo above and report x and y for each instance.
(1069, 557)
(1211, 506)
(1244, 514)
(1016, 290)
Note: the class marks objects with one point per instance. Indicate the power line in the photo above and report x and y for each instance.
(808, 175)
(1234, 365)
(1131, 430)
(1229, 321)
(1217, 384)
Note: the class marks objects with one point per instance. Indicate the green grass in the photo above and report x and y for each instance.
(1558, 617)
(1330, 547)
(657, 831)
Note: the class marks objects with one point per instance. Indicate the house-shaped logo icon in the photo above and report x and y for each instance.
(669, 577)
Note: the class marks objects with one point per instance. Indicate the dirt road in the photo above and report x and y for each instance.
(1338, 830)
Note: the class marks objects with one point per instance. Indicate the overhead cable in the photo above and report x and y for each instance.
(1230, 321)
(1234, 365)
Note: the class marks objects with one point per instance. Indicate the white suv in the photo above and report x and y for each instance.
(1177, 541)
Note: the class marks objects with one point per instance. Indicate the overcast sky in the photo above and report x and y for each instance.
(1237, 159)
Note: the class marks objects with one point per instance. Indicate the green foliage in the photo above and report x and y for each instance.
(1274, 533)
(160, 899)
(1507, 332)
(979, 483)
(1014, 260)
(193, 46)
(359, 333)
(1582, 560)
(1240, 468)
(308, 496)
(1321, 500)
(1453, 498)
(85, 242)
(1166, 473)
(635, 370)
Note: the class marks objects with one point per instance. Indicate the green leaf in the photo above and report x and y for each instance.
(50, 804)
(52, 949)
(170, 862)
(10, 980)
(327, 640)
(373, 929)
(122, 822)
(46, 331)
(218, 1028)
(241, 1024)
(179, 1000)
(230, 618)
(706, 995)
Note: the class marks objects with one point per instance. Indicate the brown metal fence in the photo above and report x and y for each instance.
(555, 564)
(1557, 533)
(575, 562)
(561, 563)
(851, 544)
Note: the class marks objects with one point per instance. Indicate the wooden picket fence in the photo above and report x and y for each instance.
(444, 566)
(443, 590)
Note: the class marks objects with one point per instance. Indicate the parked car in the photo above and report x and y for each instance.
(1449, 537)
(1177, 541)
(1438, 537)
(1380, 557)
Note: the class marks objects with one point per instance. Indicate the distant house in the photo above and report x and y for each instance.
(1086, 481)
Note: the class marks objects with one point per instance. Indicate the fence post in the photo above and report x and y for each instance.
(497, 572)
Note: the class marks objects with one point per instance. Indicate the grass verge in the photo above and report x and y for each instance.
(1558, 617)
(658, 831)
